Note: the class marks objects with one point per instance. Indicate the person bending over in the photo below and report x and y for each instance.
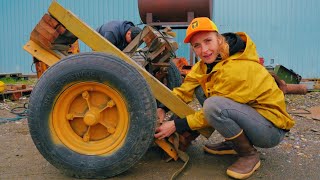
(119, 33)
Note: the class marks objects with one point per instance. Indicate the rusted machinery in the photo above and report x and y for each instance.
(176, 14)
(93, 115)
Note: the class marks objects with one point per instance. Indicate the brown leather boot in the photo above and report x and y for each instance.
(222, 148)
(248, 161)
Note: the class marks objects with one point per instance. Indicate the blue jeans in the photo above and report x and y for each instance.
(229, 118)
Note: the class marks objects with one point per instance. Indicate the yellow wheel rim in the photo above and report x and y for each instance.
(91, 118)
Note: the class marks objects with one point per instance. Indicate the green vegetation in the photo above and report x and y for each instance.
(10, 80)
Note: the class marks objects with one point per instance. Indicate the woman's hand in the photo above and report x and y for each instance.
(165, 130)
(161, 113)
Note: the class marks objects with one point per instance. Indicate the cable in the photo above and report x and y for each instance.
(20, 112)
(32, 70)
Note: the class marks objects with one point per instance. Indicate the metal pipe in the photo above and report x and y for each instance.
(296, 89)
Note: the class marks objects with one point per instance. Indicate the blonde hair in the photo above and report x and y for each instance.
(223, 47)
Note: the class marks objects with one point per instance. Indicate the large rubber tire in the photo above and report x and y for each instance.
(174, 76)
(84, 83)
(200, 95)
(172, 80)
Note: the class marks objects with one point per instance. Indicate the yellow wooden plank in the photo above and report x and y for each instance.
(168, 148)
(40, 53)
(98, 43)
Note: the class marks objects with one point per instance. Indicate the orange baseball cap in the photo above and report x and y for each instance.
(197, 25)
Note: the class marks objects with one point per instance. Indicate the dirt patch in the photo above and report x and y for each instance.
(297, 157)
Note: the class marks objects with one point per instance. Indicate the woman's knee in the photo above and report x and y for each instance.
(215, 103)
(214, 108)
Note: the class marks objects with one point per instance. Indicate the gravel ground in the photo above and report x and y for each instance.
(297, 157)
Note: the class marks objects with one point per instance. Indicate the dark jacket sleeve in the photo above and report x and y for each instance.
(110, 37)
(111, 31)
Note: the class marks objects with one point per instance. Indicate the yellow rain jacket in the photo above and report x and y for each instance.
(242, 79)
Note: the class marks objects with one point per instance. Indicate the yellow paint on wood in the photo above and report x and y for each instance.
(168, 148)
(40, 53)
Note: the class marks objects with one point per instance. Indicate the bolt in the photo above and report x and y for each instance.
(86, 138)
(111, 130)
(85, 95)
(70, 116)
(110, 103)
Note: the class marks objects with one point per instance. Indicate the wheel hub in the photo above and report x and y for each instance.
(96, 119)
(92, 117)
